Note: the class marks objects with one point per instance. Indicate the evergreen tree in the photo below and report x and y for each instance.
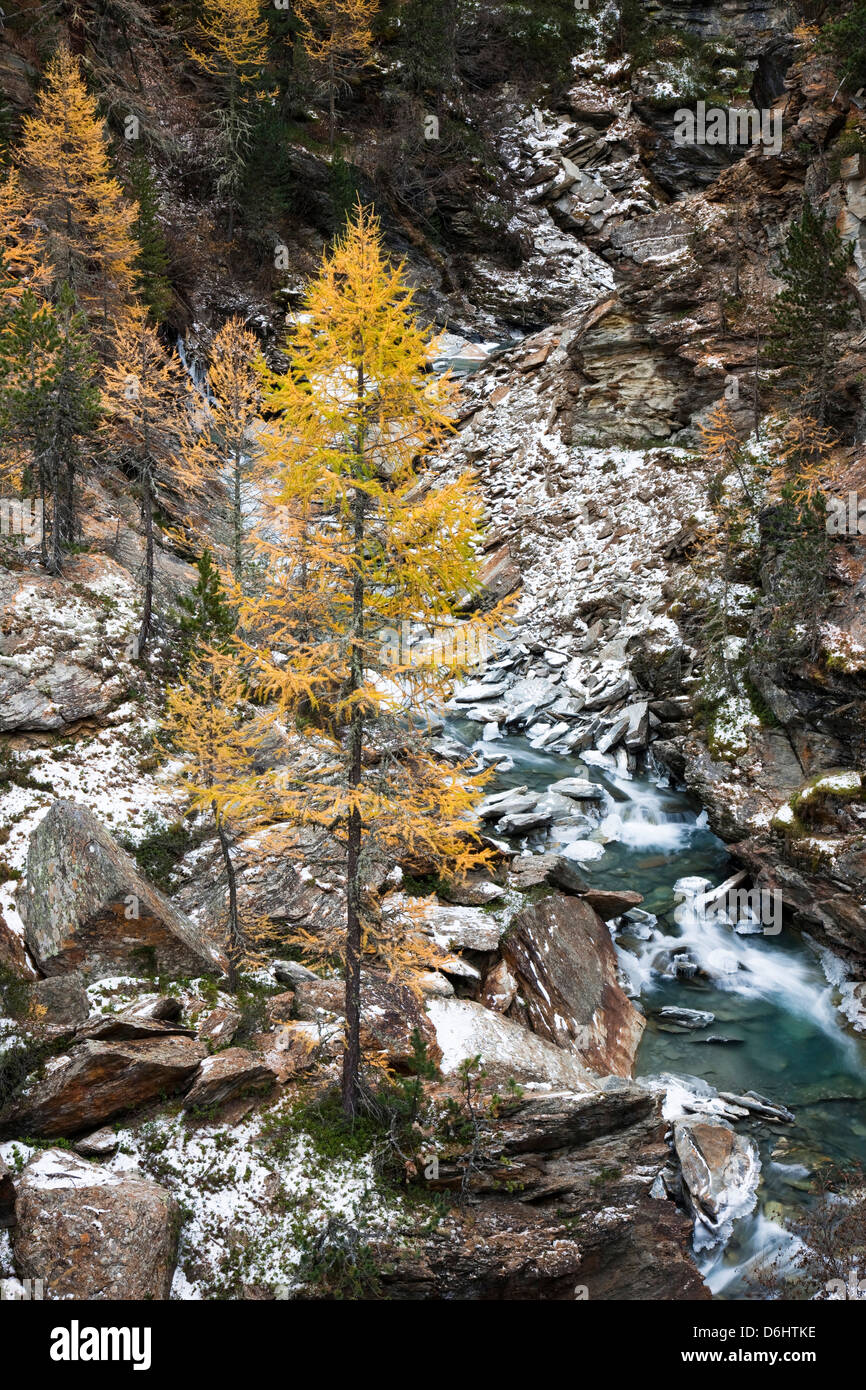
(428, 30)
(151, 263)
(145, 402)
(812, 309)
(845, 40)
(49, 401)
(225, 444)
(206, 618)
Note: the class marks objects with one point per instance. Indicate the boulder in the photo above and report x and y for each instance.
(98, 1080)
(465, 1030)
(291, 972)
(500, 988)
(609, 904)
(163, 1007)
(85, 907)
(720, 1169)
(563, 959)
(293, 1048)
(462, 928)
(390, 1015)
(578, 788)
(227, 1074)
(92, 1234)
(59, 1001)
(124, 1027)
(221, 1025)
(280, 1008)
(102, 1143)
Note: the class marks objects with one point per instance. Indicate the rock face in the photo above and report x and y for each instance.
(561, 955)
(86, 907)
(13, 954)
(560, 1210)
(59, 659)
(99, 1080)
(92, 1234)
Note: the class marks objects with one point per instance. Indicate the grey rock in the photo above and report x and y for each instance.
(86, 907)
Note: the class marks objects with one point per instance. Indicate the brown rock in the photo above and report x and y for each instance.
(125, 1027)
(92, 1234)
(220, 1026)
(61, 1001)
(500, 987)
(227, 1075)
(562, 957)
(280, 1007)
(390, 1014)
(295, 1047)
(99, 1080)
(609, 904)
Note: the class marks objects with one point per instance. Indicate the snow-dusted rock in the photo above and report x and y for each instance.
(86, 907)
(465, 1029)
(92, 1234)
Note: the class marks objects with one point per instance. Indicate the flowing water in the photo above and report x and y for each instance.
(773, 1005)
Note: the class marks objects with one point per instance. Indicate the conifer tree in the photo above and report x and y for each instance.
(337, 39)
(151, 263)
(234, 49)
(49, 402)
(812, 309)
(352, 415)
(204, 724)
(88, 222)
(234, 405)
(145, 402)
(206, 616)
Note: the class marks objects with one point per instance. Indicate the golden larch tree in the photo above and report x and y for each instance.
(225, 446)
(88, 221)
(233, 48)
(338, 40)
(145, 399)
(352, 415)
(204, 727)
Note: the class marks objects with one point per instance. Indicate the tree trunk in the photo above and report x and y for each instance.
(352, 1053)
(235, 942)
(238, 528)
(147, 518)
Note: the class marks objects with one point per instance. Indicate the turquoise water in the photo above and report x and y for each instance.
(788, 1041)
